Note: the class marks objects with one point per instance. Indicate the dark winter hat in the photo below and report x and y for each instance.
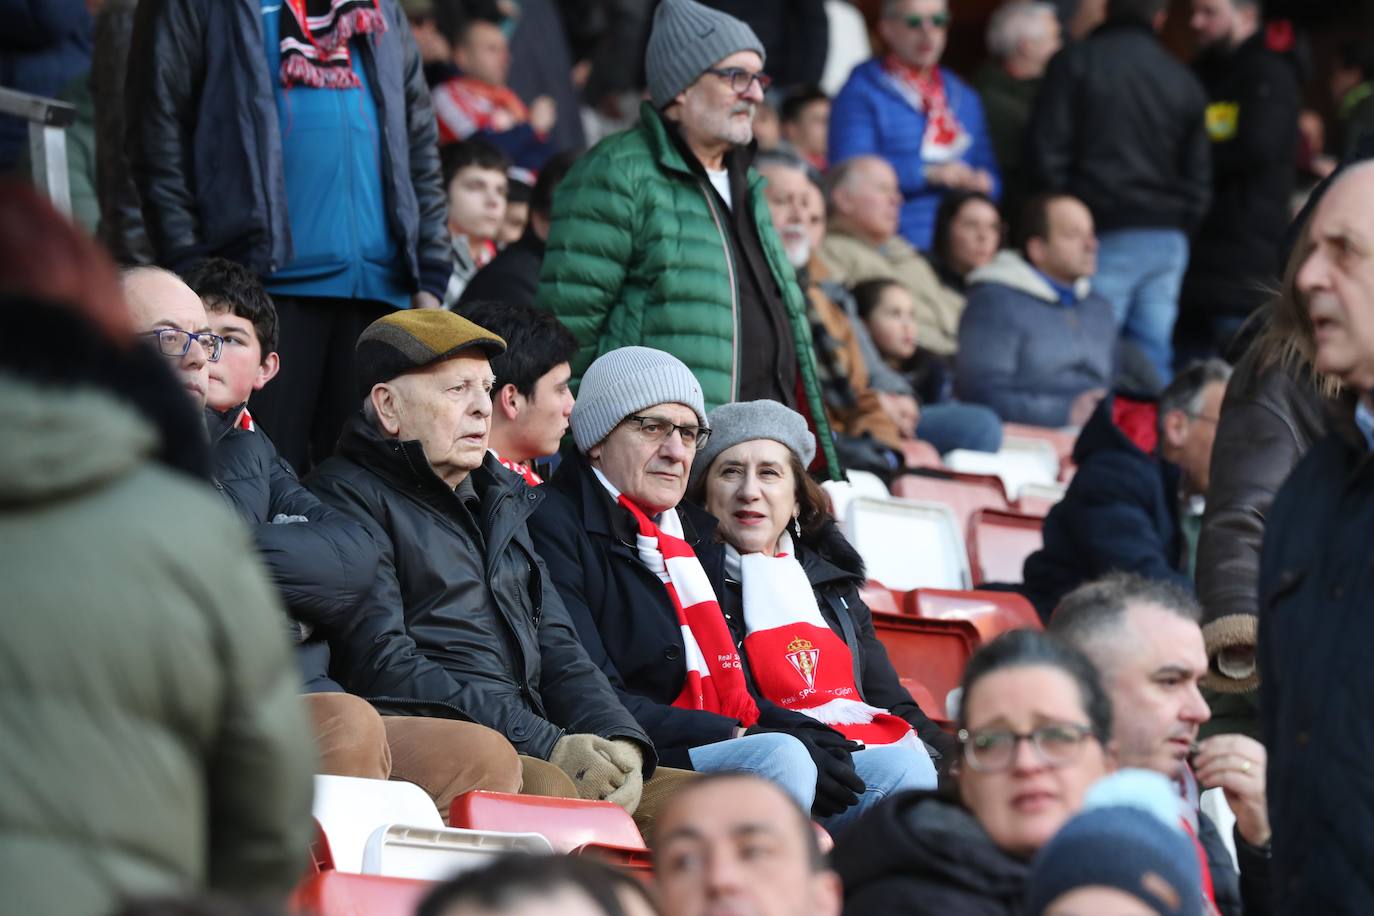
(687, 38)
(414, 338)
(1132, 841)
(742, 421)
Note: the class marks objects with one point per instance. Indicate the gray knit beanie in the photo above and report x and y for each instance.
(686, 40)
(742, 421)
(622, 382)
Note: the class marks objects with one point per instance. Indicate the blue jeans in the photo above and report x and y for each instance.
(953, 425)
(776, 757)
(1140, 272)
(886, 771)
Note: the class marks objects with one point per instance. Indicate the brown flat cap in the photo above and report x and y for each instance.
(414, 338)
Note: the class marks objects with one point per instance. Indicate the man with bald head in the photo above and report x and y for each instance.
(862, 243)
(1316, 579)
(735, 843)
(170, 316)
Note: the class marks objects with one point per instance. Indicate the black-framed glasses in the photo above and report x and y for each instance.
(936, 20)
(658, 429)
(177, 343)
(740, 79)
(993, 751)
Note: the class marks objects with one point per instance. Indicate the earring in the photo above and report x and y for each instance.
(796, 523)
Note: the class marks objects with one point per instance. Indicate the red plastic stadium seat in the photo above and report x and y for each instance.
(639, 862)
(918, 454)
(932, 652)
(880, 598)
(998, 544)
(337, 893)
(964, 494)
(567, 823)
(993, 613)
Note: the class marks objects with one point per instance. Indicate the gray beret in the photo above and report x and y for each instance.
(742, 421)
(687, 39)
(622, 382)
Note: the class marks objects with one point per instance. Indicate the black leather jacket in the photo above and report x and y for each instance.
(204, 144)
(464, 620)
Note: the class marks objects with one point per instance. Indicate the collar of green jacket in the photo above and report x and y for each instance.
(671, 151)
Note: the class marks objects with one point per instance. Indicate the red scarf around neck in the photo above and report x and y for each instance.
(315, 36)
(944, 138)
(715, 672)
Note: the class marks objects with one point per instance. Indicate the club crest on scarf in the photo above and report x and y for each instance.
(806, 658)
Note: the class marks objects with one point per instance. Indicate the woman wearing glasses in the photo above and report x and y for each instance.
(1032, 732)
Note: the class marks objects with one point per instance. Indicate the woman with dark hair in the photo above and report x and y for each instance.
(1274, 411)
(792, 596)
(925, 409)
(1033, 732)
(968, 233)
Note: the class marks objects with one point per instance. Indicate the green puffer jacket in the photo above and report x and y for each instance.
(638, 256)
(151, 738)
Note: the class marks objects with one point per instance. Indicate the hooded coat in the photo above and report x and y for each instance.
(921, 854)
(1024, 353)
(1120, 514)
(151, 737)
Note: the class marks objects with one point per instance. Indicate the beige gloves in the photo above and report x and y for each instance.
(603, 769)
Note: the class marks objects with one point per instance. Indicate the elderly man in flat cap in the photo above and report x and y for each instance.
(463, 620)
(661, 237)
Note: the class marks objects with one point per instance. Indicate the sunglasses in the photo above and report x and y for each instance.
(936, 20)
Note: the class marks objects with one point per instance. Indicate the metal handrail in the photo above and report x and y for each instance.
(48, 122)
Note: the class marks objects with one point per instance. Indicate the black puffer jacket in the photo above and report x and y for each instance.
(836, 571)
(323, 567)
(205, 147)
(1255, 96)
(922, 854)
(1269, 420)
(463, 620)
(1317, 676)
(1119, 124)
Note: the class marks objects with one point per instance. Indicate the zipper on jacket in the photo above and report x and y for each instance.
(707, 191)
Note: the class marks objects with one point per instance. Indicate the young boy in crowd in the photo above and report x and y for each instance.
(476, 182)
(478, 103)
(519, 189)
(531, 400)
(241, 312)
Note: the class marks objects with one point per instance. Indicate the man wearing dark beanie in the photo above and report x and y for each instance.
(661, 236)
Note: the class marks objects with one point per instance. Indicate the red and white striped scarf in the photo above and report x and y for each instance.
(526, 472)
(715, 672)
(315, 36)
(797, 660)
(945, 139)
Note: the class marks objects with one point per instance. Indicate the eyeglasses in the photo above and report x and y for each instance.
(177, 343)
(994, 751)
(741, 79)
(658, 429)
(936, 20)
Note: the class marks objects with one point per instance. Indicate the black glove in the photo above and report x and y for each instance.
(838, 785)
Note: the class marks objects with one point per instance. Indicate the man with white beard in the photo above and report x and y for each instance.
(852, 406)
(661, 236)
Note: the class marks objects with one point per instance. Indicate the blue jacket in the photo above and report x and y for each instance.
(1024, 353)
(206, 151)
(44, 44)
(871, 117)
(1120, 514)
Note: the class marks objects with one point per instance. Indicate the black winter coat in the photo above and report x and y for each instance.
(1119, 514)
(512, 276)
(1316, 659)
(205, 147)
(836, 572)
(323, 567)
(623, 613)
(1119, 124)
(922, 854)
(1269, 420)
(463, 620)
(1255, 96)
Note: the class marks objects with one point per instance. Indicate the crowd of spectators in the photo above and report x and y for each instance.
(447, 399)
